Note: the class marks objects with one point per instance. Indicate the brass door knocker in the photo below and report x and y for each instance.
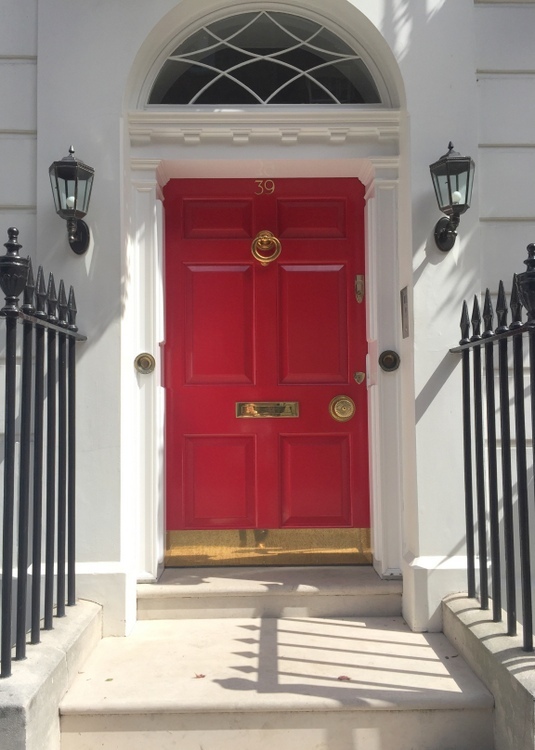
(266, 242)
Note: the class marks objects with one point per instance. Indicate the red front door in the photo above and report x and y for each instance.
(250, 345)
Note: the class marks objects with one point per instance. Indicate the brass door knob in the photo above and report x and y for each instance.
(342, 408)
(145, 363)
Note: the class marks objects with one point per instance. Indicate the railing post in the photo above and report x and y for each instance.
(526, 292)
(521, 469)
(39, 400)
(488, 316)
(480, 465)
(62, 450)
(25, 463)
(507, 482)
(71, 458)
(50, 455)
(13, 277)
(467, 447)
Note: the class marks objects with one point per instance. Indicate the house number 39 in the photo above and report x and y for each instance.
(264, 187)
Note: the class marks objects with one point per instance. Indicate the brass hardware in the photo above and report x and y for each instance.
(268, 547)
(342, 408)
(359, 377)
(264, 242)
(389, 361)
(359, 287)
(266, 409)
(145, 363)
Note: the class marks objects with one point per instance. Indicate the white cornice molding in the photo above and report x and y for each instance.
(262, 126)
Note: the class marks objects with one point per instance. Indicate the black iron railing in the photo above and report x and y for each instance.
(39, 506)
(499, 502)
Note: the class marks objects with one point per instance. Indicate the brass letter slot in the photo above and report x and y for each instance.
(266, 409)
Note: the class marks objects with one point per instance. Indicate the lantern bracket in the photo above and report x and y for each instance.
(79, 235)
(446, 232)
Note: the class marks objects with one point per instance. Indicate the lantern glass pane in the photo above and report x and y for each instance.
(442, 190)
(55, 192)
(84, 194)
(459, 185)
(470, 186)
(70, 195)
(81, 196)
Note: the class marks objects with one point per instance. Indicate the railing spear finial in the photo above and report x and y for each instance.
(476, 320)
(465, 325)
(488, 315)
(515, 304)
(501, 309)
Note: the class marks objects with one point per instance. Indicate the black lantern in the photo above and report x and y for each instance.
(453, 180)
(71, 182)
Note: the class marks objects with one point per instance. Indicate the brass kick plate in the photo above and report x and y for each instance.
(266, 409)
(268, 547)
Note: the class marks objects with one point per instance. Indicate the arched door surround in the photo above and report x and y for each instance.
(265, 142)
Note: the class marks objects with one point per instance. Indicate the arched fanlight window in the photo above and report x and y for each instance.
(264, 58)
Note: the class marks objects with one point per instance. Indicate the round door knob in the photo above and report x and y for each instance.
(389, 361)
(145, 363)
(342, 408)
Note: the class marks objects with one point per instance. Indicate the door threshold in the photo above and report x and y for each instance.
(268, 547)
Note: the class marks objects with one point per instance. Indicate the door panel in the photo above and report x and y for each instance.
(212, 457)
(238, 331)
(315, 480)
(311, 218)
(216, 219)
(313, 319)
(217, 348)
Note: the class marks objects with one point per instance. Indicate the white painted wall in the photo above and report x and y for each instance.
(68, 74)
(18, 117)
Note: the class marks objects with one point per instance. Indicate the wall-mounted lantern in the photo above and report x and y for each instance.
(71, 182)
(453, 180)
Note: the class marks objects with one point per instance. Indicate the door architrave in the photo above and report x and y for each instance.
(364, 144)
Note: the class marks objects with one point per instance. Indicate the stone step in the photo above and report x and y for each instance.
(258, 683)
(323, 591)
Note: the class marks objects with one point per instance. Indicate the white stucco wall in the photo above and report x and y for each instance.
(81, 95)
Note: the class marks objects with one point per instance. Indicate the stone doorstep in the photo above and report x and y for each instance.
(29, 698)
(239, 683)
(269, 592)
(363, 730)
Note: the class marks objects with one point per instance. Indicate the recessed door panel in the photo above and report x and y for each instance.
(313, 324)
(214, 219)
(218, 348)
(312, 218)
(315, 480)
(258, 348)
(209, 502)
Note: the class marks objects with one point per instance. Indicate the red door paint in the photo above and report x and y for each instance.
(238, 331)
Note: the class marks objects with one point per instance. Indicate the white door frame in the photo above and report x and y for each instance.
(260, 143)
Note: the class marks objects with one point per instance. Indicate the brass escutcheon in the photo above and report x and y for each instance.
(342, 408)
(265, 242)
